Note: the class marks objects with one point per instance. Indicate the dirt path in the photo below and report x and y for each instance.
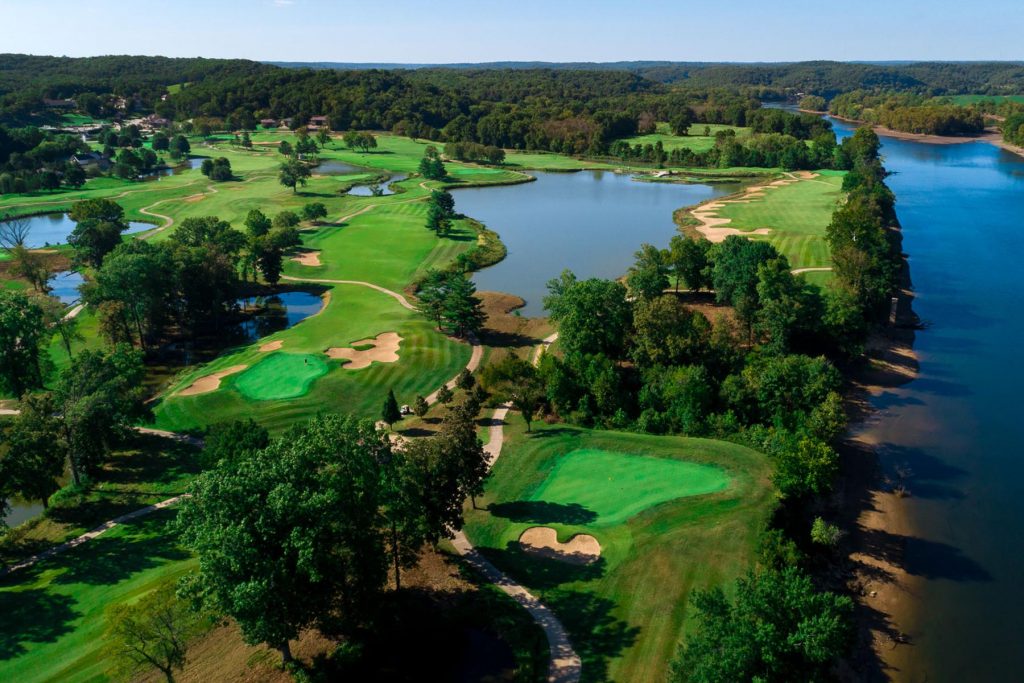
(817, 269)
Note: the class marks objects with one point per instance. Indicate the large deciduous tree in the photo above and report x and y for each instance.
(100, 223)
(22, 336)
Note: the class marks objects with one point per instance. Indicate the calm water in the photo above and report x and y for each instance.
(64, 285)
(277, 312)
(958, 427)
(590, 222)
(54, 228)
(341, 168)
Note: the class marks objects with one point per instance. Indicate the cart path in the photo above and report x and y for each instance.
(400, 298)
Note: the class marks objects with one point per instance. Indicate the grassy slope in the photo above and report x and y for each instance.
(797, 215)
(696, 141)
(626, 612)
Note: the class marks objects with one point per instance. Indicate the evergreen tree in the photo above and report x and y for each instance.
(390, 413)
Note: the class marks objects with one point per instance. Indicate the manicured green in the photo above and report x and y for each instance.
(797, 215)
(974, 99)
(280, 376)
(625, 613)
(616, 486)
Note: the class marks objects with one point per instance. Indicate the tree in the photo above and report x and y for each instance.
(431, 294)
(294, 173)
(445, 395)
(390, 413)
(179, 147)
(99, 398)
(152, 633)
(314, 212)
(290, 537)
(14, 232)
(778, 628)
(461, 445)
(160, 142)
(285, 148)
(465, 380)
(688, 261)
(789, 305)
(438, 221)
(246, 141)
(218, 169)
(463, 311)
(230, 441)
(668, 333)
(31, 266)
(56, 318)
(420, 407)
(431, 167)
(824, 533)
(136, 275)
(286, 219)
(22, 336)
(323, 136)
(32, 462)
(74, 175)
(681, 121)
(257, 223)
(100, 223)
(592, 315)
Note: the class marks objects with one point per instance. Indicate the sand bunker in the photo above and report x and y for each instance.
(210, 382)
(384, 349)
(308, 258)
(543, 541)
(713, 227)
(271, 346)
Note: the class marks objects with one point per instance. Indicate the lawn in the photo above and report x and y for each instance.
(797, 216)
(701, 137)
(671, 514)
(426, 360)
(281, 375)
(964, 100)
(54, 612)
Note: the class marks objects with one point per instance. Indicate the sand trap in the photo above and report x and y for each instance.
(308, 258)
(384, 350)
(713, 227)
(210, 383)
(543, 541)
(271, 346)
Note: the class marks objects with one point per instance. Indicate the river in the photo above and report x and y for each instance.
(958, 427)
(591, 222)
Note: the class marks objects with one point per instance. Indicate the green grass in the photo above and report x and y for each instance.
(280, 376)
(54, 613)
(625, 613)
(797, 216)
(616, 486)
(963, 100)
(696, 141)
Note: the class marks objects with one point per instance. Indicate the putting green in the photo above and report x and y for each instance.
(617, 486)
(281, 375)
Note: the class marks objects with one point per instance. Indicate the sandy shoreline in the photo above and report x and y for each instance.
(991, 135)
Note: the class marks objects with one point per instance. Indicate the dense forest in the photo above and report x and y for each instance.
(907, 112)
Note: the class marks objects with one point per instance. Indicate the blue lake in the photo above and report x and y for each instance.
(52, 229)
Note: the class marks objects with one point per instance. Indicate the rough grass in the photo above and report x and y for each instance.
(696, 141)
(616, 486)
(625, 613)
(797, 215)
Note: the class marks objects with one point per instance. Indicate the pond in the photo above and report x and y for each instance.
(363, 189)
(64, 285)
(276, 312)
(591, 222)
(53, 228)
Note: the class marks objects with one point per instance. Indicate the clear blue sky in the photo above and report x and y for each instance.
(549, 30)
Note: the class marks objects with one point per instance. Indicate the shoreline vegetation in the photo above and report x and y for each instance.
(991, 136)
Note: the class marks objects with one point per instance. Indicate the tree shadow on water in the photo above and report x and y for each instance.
(33, 616)
(543, 512)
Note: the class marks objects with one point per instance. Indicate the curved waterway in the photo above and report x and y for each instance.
(590, 222)
(958, 427)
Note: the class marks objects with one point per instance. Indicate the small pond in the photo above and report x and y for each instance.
(276, 312)
(363, 189)
(64, 285)
(53, 228)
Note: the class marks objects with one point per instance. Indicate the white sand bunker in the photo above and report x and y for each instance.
(543, 541)
(713, 226)
(383, 349)
(210, 382)
(271, 346)
(308, 258)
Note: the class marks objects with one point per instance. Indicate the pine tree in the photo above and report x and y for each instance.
(390, 412)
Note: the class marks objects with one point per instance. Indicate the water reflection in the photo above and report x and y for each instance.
(270, 314)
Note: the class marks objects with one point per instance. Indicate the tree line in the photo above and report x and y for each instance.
(908, 113)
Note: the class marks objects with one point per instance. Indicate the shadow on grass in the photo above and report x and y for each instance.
(111, 559)
(33, 616)
(596, 634)
(542, 512)
(541, 573)
(514, 340)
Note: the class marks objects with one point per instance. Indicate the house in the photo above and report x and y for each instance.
(91, 160)
(269, 123)
(287, 123)
(59, 104)
(317, 122)
(154, 121)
